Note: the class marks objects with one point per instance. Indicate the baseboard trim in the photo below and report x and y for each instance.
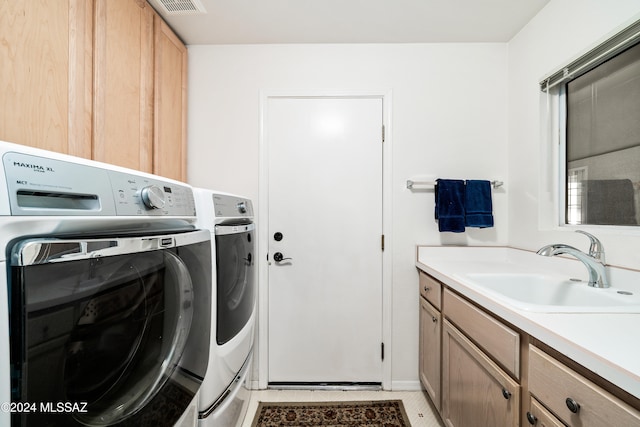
(406, 386)
(345, 386)
(395, 386)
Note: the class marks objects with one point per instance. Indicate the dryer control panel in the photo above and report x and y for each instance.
(39, 185)
(232, 209)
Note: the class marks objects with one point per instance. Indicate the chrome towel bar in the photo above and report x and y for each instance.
(411, 184)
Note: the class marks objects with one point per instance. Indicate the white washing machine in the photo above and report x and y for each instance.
(106, 297)
(224, 395)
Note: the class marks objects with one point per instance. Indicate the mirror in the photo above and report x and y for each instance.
(603, 143)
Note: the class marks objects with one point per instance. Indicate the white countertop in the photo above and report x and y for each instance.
(605, 343)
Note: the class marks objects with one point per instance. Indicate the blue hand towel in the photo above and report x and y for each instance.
(450, 205)
(478, 206)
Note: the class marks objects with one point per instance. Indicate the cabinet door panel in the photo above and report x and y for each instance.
(430, 347)
(476, 392)
(123, 91)
(170, 112)
(46, 73)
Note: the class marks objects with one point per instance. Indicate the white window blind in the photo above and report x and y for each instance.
(594, 57)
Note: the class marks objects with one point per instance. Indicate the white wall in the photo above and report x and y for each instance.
(455, 106)
(559, 33)
(449, 119)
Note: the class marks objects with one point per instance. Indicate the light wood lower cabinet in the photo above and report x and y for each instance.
(476, 392)
(481, 372)
(430, 350)
(575, 400)
(463, 370)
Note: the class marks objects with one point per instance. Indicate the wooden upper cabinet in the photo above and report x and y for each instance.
(170, 104)
(123, 84)
(140, 90)
(100, 79)
(46, 74)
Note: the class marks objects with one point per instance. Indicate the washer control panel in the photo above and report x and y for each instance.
(42, 186)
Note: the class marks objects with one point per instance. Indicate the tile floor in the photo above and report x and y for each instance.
(416, 404)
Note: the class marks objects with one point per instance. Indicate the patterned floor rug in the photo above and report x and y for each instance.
(377, 413)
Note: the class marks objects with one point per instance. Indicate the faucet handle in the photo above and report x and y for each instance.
(596, 249)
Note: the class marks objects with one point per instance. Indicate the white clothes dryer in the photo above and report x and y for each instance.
(105, 297)
(224, 395)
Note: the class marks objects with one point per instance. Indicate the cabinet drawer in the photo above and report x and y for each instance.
(542, 417)
(431, 289)
(498, 341)
(559, 387)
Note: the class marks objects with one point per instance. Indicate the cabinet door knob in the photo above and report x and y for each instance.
(572, 405)
(531, 418)
(435, 319)
(505, 393)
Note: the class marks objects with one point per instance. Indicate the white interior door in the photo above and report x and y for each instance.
(325, 201)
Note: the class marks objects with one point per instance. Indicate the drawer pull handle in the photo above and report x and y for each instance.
(426, 289)
(572, 405)
(505, 393)
(531, 418)
(435, 319)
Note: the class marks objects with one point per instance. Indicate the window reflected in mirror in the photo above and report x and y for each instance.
(603, 143)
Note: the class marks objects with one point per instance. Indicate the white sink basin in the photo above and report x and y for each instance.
(554, 294)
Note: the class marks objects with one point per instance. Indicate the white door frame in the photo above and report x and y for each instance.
(262, 352)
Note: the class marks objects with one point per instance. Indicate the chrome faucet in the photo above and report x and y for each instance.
(594, 260)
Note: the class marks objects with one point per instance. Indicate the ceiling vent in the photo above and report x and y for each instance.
(181, 7)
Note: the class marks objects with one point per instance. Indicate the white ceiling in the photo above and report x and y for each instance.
(353, 21)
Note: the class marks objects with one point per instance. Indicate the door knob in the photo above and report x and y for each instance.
(277, 257)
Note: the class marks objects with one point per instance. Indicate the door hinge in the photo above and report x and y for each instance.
(382, 242)
(382, 133)
(382, 351)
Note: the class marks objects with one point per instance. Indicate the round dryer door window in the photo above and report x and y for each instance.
(101, 335)
(118, 354)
